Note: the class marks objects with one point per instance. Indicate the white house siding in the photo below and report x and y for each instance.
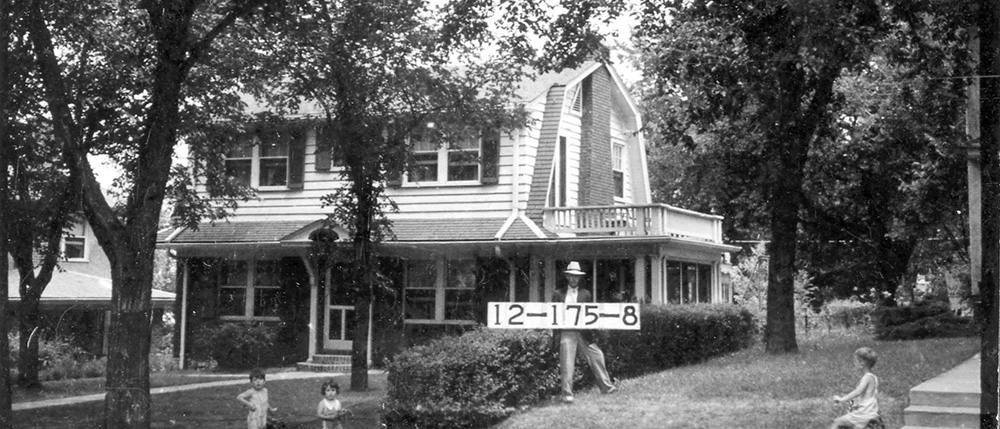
(570, 128)
(414, 200)
(528, 150)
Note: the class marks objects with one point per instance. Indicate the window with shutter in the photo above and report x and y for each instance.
(468, 160)
(270, 159)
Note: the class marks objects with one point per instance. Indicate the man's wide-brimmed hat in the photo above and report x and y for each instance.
(574, 268)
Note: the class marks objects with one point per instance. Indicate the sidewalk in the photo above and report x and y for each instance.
(290, 375)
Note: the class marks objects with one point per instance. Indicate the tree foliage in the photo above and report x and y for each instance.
(384, 74)
(761, 83)
(123, 79)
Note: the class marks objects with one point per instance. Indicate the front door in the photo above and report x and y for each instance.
(339, 321)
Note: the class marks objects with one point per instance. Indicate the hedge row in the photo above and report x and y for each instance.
(677, 335)
(479, 378)
(934, 320)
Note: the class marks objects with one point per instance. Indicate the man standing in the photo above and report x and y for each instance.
(572, 341)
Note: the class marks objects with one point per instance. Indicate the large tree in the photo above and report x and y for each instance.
(760, 78)
(120, 79)
(6, 118)
(881, 185)
(386, 74)
(42, 206)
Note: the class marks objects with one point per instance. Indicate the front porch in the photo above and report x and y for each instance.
(441, 281)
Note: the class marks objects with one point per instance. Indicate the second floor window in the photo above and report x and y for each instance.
(260, 160)
(455, 162)
(618, 168)
(74, 245)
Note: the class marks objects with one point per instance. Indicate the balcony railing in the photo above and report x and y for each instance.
(645, 219)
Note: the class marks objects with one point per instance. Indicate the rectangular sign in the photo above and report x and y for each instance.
(558, 315)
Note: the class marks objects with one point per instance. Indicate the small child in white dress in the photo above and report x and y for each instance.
(256, 400)
(865, 408)
(329, 409)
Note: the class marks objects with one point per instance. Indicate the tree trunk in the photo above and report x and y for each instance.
(779, 332)
(29, 327)
(989, 123)
(364, 272)
(6, 415)
(359, 347)
(127, 403)
(893, 263)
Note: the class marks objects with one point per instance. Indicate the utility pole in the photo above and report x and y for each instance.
(989, 146)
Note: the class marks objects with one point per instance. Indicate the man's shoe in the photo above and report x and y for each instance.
(610, 390)
(567, 399)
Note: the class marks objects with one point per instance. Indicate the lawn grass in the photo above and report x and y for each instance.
(747, 389)
(753, 389)
(217, 407)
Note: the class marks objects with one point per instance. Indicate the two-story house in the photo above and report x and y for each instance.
(499, 225)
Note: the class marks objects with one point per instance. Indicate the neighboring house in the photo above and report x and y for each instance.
(573, 185)
(77, 300)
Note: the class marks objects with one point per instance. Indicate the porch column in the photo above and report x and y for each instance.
(184, 312)
(657, 279)
(640, 278)
(313, 305)
(550, 276)
(593, 278)
(511, 281)
(535, 282)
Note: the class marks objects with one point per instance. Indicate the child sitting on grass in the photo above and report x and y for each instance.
(865, 409)
(329, 409)
(256, 400)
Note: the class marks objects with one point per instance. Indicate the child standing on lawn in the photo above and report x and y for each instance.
(865, 409)
(329, 409)
(256, 400)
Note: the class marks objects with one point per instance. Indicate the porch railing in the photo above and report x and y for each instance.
(628, 220)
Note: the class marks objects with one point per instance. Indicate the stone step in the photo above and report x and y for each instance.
(332, 359)
(953, 396)
(323, 367)
(925, 427)
(941, 417)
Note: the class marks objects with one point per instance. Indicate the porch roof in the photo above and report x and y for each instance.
(426, 234)
(404, 230)
(233, 232)
(73, 288)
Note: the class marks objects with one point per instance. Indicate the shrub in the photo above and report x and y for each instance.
(479, 378)
(895, 316)
(236, 345)
(472, 380)
(848, 313)
(674, 335)
(927, 320)
(60, 359)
